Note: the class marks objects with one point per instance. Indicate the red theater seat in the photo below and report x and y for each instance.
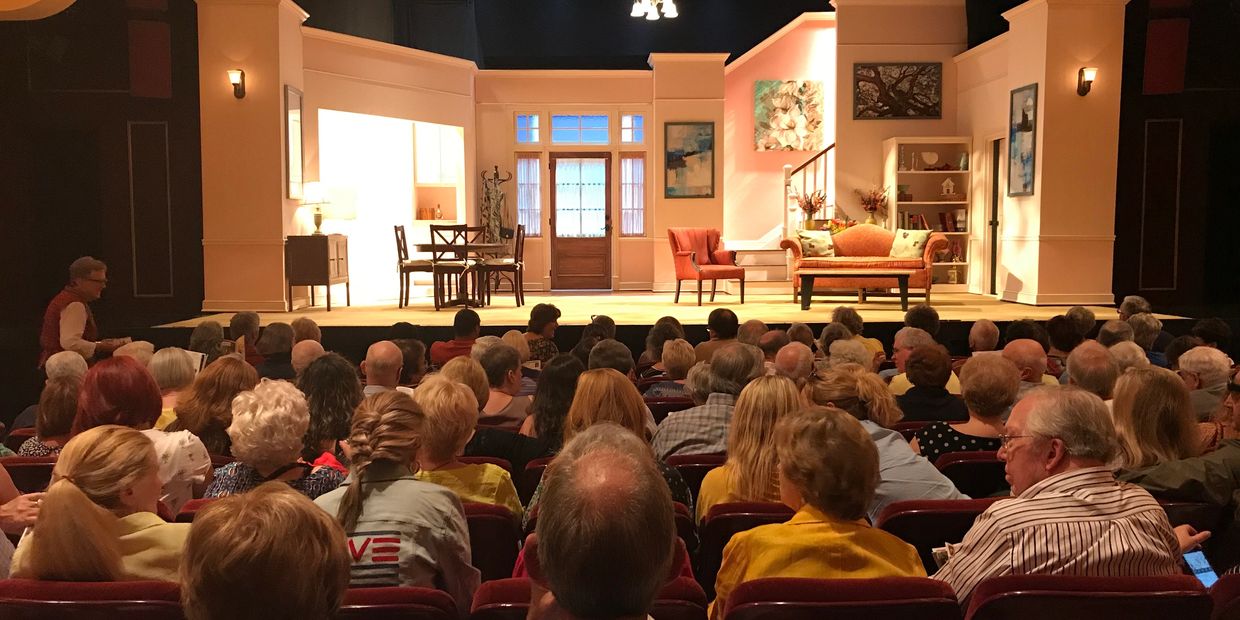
(404, 603)
(17, 437)
(660, 408)
(191, 508)
(528, 481)
(495, 539)
(894, 598)
(1030, 597)
(693, 467)
(1226, 595)
(29, 599)
(976, 474)
(930, 523)
(30, 473)
(908, 429)
(721, 523)
(509, 599)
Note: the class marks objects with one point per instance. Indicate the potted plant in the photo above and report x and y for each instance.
(873, 200)
(811, 204)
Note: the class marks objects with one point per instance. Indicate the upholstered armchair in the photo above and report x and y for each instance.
(698, 256)
(862, 246)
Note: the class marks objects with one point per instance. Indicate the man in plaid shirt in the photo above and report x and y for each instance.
(704, 429)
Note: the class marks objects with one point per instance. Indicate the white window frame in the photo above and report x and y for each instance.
(644, 128)
(580, 130)
(640, 192)
(536, 213)
(536, 128)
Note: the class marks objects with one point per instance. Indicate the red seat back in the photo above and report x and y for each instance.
(220, 460)
(930, 523)
(528, 481)
(17, 437)
(721, 523)
(494, 539)
(30, 473)
(405, 603)
(488, 460)
(29, 599)
(509, 599)
(1226, 595)
(1200, 515)
(191, 508)
(661, 407)
(686, 529)
(1023, 597)
(908, 429)
(693, 467)
(881, 598)
(976, 474)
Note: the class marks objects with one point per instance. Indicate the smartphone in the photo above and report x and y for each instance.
(1201, 568)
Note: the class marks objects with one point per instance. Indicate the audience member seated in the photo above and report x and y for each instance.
(304, 353)
(983, 336)
(664, 329)
(1213, 332)
(850, 318)
(413, 360)
(276, 347)
(304, 328)
(504, 408)
(831, 332)
(557, 384)
(1205, 371)
(1133, 305)
(1092, 368)
(590, 335)
(1084, 320)
(928, 368)
(1030, 360)
(451, 412)
(907, 339)
(206, 408)
(512, 447)
(385, 496)
(382, 367)
(245, 325)
(828, 471)
(1064, 338)
(268, 425)
(923, 316)
(611, 354)
(607, 538)
(402, 330)
(57, 408)
(697, 383)
(465, 328)
(750, 332)
(332, 393)
(208, 339)
(97, 521)
(1129, 354)
(62, 364)
(1114, 332)
(1179, 346)
(544, 318)
(903, 474)
(722, 326)
(677, 358)
(1145, 330)
(770, 343)
(140, 350)
(850, 352)
(1069, 516)
(122, 391)
(604, 395)
(749, 474)
(482, 344)
(796, 362)
(800, 332)
(1154, 420)
(988, 385)
(516, 340)
(267, 554)
(174, 372)
(468, 372)
(704, 429)
(1029, 329)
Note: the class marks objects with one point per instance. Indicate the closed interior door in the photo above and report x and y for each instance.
(581, 221)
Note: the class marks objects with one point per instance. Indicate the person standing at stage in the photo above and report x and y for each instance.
(68, 324)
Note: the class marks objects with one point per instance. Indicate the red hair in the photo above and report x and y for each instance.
(118, 390)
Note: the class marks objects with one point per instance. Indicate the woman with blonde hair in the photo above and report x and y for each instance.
(904, 475)
(206, 408)
(383, 494)
(516, 340)
(1154, 419)
(677, 358)
(97, 520)
(467, 371)
(750, 472)
(451, 413)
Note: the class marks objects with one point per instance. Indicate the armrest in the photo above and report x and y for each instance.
(686, 262)
(935, 244)
(723, 257)
(792, 244)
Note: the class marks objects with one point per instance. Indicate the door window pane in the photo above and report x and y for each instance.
(581, 197)
(529, 206)
(633, 196)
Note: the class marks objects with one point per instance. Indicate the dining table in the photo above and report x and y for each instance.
(463, 251)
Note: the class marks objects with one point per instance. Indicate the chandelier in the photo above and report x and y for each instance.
(650, 9)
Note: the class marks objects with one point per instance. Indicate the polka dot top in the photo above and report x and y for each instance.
(940, 438)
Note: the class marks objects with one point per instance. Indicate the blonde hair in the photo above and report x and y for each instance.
(829, 457)
(761, 404)
(451, 414)
(268, 553)
(855, 390)
(1154, 418)
(75, 536)
(518, 341)
(605, 395)
(386, 427)
(172, 368)
(268, 424)
(467, 371)
(678, 358)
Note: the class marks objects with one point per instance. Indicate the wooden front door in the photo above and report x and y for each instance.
(581, 220)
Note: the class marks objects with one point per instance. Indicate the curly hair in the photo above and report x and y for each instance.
(268, 424)
(333, 392)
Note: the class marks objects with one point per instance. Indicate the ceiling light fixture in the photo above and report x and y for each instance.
(650, 9)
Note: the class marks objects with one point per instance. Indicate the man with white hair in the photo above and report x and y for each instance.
(1069, 515)
(304, 353)
(1128, 355)
(1204, 371)
(481, 344)
(62, 364)
(68, 324)
(983, 336)
(796, 361)
(704, 429)
(850, 352)
(382, 367)
(1145, 331)
(1030, 359)
(907, 339)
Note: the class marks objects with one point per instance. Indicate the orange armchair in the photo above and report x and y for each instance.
(698, 256)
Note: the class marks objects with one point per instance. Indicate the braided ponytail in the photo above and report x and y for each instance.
(386, 427)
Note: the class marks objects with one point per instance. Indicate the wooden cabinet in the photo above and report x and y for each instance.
(317, 260)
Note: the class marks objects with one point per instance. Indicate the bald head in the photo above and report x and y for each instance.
(795, 361)
(383, 363)
(983, 336)
(1029, 357)
(305, 352)
(751, 331)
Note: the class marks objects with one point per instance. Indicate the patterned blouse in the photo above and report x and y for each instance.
(666, 389)
(543, 349)
(35, 447)
(237, 477)
(183, 463)
(940, 438)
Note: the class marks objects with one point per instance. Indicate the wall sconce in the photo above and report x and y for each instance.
(236, 77)
(1085, 80)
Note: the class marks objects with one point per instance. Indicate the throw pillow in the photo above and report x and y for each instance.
(910, 243)
(816, 243)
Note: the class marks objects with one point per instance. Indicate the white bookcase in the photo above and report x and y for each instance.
(927, 181)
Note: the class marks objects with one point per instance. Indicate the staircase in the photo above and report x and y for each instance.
(816, 174)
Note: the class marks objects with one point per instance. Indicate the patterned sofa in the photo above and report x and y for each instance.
(859, 247)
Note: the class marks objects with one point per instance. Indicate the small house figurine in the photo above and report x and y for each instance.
(949, 188)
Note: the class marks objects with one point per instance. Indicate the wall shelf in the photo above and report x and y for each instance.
(948, 217)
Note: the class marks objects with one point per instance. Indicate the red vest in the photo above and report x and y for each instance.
(49, 338)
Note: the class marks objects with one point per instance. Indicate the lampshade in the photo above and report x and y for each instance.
(639, 9)
(312, 193)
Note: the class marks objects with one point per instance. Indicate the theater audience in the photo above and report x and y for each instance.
(721, 325)
(983, 336)
(304, 328)
(63, 364)
(206, 408)
(611, 354)
(796, 362)
(465, 328)
(57, 408)
(382, 367)
(1145, 330)
(97, 521)
(1028, 329)
(140, 350)
(208, 339)
(1133, 305)
(556, 387)
(907, 339)
(1129, 354)
(245, 325)
(1064, 338)
(504, 407)
(697, 383)
(1179, 346)
(850, 352)
(677, 358)
(276, 347)
(174, 372)
(749, 474)
(467, 371)
(751, 332)
(924, 317)
(704, 429)
(664, 329)
(988, 386)
(516, 340)
(1114, 332)
(828, 472)
(413, 360)
(1154, 420)
(1030, 360)
(607, 539)
(850, 318)
(770, 343)
(903, 474)
(304, 353)
(451, 412)
(544, 318)
(268, 425)
(1092, 368)
(1205, 371)
(1069, 516)
(267, 554)
(929, 368)
(591, 335)
(1213, 332)
(606, 323)
(800, 332)
(1083, 319)
(332, 393)
(482, 344)
(832, 332)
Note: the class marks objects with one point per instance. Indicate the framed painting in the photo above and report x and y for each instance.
(787, 115)
(293, 161)
(689, 160)
(1022, 140)
(898, 91)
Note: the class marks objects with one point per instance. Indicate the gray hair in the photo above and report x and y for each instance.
(1209, 364)
(832, 332)
(1145, 329)
(913, 337)
(85, 266)
(277, 338)
(268, 424)
(482, 344)
(1134, 304)
(606, 536)
(499, 360)
(206, 338)
(1077, 418)
(1092, 368)
(611, 354)
(65, 364)
(1114, 331)
(697, 382)
(172, 368)
(243, 324)
(1083, 319)
(850, 352)
(1128, 355)
(989, 384)
(140, 350)
(984, 335)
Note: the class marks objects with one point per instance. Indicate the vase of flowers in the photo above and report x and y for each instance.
(811, 204)
(872, 200)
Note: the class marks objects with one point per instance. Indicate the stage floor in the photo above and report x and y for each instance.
(640, 308)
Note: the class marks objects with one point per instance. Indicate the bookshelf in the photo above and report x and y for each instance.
(928, 183)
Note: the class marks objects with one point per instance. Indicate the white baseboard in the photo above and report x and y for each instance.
(1059, 299)
(234, 305)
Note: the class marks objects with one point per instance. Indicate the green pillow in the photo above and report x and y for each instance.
(910, 243)
(816, 243)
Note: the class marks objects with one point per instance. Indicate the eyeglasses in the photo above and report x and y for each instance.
(1004, 440)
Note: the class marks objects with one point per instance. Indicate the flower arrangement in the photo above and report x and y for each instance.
(811, 203)
(873, 200)
(838, 225)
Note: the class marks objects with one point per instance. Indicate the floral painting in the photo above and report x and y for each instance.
(893, 91)
(787, 115)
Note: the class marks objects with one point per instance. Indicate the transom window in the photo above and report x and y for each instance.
(632, 129)
(527, 129)
(579, 129)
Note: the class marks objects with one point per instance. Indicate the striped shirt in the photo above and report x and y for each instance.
(1081, 522)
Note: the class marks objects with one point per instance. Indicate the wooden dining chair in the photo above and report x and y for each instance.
(405, 266)
(448, 265)
(510, 267)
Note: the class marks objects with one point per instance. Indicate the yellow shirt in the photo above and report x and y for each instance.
(717, 489)
(166, 416)
(482, 483)
(900, 384)
(872, 344)
(150, 548)
(815, 545)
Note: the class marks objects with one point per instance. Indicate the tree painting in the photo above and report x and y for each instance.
(898, 91)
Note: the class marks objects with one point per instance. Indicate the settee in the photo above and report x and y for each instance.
(860, 247)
